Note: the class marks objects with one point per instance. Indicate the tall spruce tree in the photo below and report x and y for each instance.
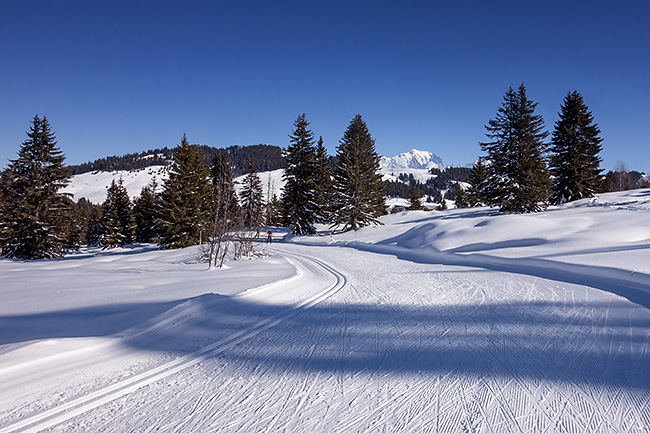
(359, 190)
(575, 145)
(116, 222)
(185, 199)
(299, 192)
(34, 215)
(251, 197)
(146, 211)
(88, 216)
(415, 198)
(462, 196)
(518, 176)
(478, 179)
(324, 187)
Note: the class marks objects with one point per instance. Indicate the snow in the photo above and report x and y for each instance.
(94, 185)
(416, 162)
(415, 159)
(460, 320)
(272, 183)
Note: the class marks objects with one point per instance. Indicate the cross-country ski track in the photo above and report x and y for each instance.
(82, 404)
(356, 336)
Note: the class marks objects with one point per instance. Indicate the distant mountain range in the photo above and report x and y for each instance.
(415, 159)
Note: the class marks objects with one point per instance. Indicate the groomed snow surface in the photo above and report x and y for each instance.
(458, 321)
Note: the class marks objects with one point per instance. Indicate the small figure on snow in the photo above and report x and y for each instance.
(269, 237)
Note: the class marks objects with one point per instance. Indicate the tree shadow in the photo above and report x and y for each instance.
(590, 343)
(600, 343)
(95, 321)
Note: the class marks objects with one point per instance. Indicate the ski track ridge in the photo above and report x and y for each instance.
(85, 403)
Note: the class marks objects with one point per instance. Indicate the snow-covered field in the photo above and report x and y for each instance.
(457, 321)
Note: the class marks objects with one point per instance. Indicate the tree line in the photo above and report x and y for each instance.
(270, 157)
(522, 172)
(197, 204)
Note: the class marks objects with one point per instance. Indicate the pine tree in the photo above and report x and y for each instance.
(359, 191)
(478, 179)
(299, 192)
(87, 222)
(251, 197)
(77, 225)
(574, 162)
(34, 215)
(518, 176)
(324, 188)
(117, 217)
(185, 199)
(274, 214)
(146, 211)
(462, 196)
(415, 199)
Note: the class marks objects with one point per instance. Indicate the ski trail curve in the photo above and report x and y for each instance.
(52, 417)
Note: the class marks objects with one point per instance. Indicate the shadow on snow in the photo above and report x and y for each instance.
(592, 343)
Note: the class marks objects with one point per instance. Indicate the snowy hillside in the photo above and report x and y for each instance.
(455, 321)
(93, 185)
(272, 183)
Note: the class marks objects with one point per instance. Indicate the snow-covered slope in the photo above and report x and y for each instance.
(462, 320)
(272, 183)
(93, 185)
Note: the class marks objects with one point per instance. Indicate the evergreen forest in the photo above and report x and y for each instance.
(524, 168)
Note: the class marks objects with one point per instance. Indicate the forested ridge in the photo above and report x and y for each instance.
(268, 157)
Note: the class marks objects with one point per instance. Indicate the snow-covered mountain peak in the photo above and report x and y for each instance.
(415, 159)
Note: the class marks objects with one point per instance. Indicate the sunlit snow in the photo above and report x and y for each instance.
(452, 321)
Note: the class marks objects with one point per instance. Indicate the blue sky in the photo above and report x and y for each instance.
(121, 77)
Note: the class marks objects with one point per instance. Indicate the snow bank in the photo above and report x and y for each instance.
(602, 242)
